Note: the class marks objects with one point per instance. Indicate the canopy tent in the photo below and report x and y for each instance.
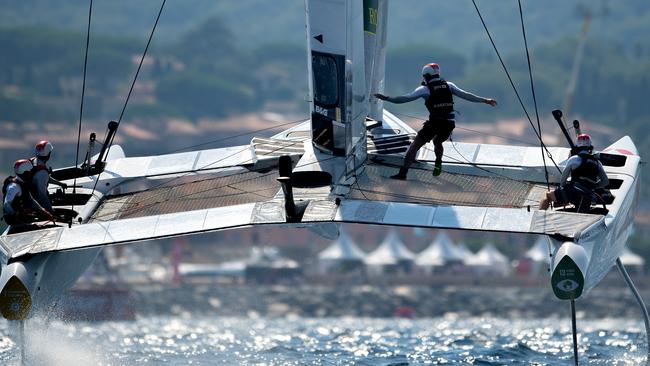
(489, 260)
(266, 265)
(537, 259)
(440, 252)
(539, 251)
(464, 251)
(391, 255)
(341, 256)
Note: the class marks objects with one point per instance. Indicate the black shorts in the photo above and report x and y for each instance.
(437, 130)
(570, 194)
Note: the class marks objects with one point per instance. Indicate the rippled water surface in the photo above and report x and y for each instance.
(335, 341)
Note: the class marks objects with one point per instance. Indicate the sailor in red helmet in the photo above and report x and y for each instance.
(41, 174)
(19, 207)
(438, 95)
(587, 175)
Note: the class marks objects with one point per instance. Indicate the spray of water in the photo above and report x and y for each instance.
(56, 343)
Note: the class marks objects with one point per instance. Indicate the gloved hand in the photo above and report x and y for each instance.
(381, 96)
(64, 186)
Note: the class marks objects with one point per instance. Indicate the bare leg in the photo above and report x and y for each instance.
(409, 157)
(546, 201)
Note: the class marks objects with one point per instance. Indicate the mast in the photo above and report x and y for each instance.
(337, 78)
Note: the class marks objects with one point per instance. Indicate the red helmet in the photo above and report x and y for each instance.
(584, 140)
(43, 148)
(22, 166)
(431, 69)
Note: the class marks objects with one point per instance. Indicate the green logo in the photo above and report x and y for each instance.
(567, 280)
(370, 15)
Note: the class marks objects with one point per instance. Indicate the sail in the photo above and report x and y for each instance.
(375, 21)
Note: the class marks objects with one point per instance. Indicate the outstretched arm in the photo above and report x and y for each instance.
(469, 96)
(420, 92)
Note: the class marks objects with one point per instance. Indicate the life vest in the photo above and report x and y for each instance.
(586, 174)
(19, 201)
(440, 103)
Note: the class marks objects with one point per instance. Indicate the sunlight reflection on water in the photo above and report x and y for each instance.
(333, 341)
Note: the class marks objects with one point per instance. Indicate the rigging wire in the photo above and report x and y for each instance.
(505, 138)
(505, 69)
(135, 78)
(532, 89)
(466, 160)
(222, 139)
(246, 147)
(193, 171)
(83, 93)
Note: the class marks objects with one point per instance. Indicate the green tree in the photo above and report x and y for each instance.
(197, 95)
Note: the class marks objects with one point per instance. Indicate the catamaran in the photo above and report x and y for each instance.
(333, 168)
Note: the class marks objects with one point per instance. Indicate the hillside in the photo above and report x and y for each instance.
(453, 24)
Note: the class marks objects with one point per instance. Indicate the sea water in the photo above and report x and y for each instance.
(205, 340)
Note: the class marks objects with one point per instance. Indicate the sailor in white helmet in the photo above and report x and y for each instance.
(587, 175)
(19, 207)
(438, 98)
(41, 174)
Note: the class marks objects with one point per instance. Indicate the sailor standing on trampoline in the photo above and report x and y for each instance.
(438, 98)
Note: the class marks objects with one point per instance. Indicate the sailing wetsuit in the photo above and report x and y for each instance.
(440, 106)
(18, 202)
(587, 174)
(40, 180)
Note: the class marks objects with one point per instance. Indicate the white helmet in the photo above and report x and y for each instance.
(22, 166)
(431, 69)
(584, 140)
(43, 148)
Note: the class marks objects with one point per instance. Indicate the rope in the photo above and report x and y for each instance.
(135, 78)
(505, 138)
(532, 88)
(83, 93)
(505, 69)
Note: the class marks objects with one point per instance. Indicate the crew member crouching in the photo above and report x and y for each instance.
(587, 175)
(19, 207)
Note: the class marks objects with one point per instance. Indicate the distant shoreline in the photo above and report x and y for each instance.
(374, 301)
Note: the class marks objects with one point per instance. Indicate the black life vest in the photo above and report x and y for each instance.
(440, 103)
(587, 172)
(18, 202)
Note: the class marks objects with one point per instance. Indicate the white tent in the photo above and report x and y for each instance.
(441, 251)
(539, 251)
(342, 254)
(537, 259)
(465, 253)
(391, 255)
(489, 260)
